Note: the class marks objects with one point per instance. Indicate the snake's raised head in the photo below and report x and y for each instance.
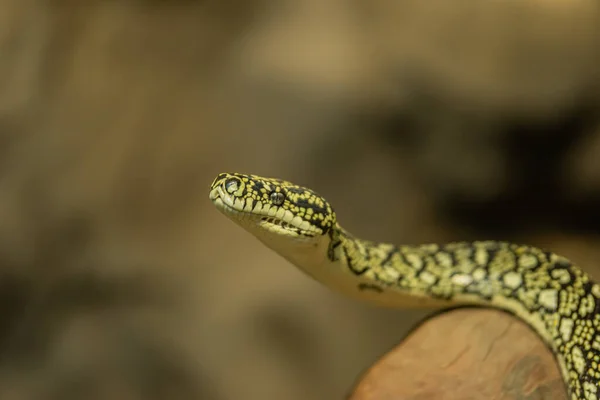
(272, 207)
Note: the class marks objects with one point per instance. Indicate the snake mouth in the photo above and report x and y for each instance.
(279, 226)
(276, 224)
(227, 205)
(224, 203)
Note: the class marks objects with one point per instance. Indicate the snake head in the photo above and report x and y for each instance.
(268, 206)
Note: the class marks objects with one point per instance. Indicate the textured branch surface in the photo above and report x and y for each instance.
(465, 354)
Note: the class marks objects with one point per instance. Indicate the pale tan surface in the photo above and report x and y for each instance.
(121, 280)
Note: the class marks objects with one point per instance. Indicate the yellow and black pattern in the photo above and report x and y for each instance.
(256, 194)
(556, 298)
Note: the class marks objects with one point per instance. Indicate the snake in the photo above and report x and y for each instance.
(551, 294)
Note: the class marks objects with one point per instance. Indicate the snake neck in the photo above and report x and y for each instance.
(546, 291)
(553, 296)
(523, 280)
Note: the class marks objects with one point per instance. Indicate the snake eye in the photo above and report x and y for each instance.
(277, 198)
(232, 185)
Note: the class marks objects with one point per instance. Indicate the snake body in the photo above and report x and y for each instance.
(547, 291)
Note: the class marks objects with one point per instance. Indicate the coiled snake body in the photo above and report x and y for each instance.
(556, 298)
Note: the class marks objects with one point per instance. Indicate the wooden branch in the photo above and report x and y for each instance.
(465, 354)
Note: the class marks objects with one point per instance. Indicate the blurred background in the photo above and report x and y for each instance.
(420, 122)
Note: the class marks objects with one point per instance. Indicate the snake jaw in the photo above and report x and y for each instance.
(280, 227)
(261, 216)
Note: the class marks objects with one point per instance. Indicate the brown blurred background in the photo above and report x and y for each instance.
(420, 121)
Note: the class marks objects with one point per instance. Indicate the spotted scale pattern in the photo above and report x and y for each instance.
(303, 205)
(556, 298)
(547, 291)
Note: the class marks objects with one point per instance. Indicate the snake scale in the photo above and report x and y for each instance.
(547, 291)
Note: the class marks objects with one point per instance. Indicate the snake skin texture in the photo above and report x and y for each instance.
(548, 292)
